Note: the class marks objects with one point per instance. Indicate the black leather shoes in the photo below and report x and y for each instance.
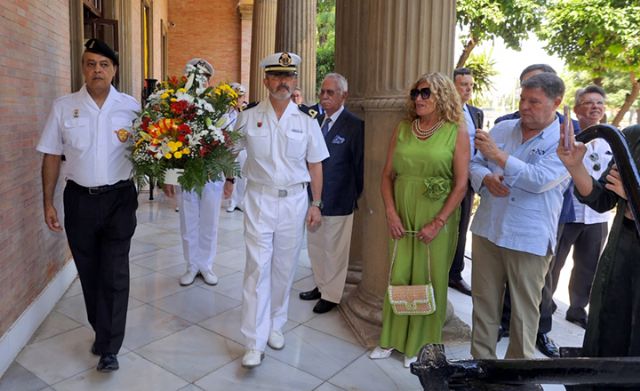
(461, 286)
(108, 363)
(502, 333)
(323, 306)
(577, 315)
(546, 345)
(313, 294)
(582, 322)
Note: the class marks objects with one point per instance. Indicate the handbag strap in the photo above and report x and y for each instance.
(395, 252)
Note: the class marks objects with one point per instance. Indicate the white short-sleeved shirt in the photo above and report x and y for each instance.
(88, 137)
(278, 150)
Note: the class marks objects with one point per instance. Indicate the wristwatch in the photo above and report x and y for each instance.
(317, 203)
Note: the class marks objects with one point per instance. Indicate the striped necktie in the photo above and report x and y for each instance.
(325, 125)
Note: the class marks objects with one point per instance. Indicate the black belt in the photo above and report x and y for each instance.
(95, 190)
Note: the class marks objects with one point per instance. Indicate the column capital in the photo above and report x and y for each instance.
(245, 7)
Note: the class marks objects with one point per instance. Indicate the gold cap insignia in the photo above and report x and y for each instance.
(285, 59)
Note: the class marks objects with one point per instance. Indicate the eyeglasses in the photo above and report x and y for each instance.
(424, 93)
(328, 92)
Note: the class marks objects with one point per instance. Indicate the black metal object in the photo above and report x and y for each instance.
(624, 160)
(436, 373)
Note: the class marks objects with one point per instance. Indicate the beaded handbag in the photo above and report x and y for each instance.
(411, 299)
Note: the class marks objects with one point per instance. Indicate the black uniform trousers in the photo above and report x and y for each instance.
(100, 223)
(455, 273)
(587, 241)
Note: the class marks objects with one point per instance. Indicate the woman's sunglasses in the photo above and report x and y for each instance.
(424, 93)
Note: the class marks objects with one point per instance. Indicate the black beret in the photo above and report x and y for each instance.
(97, 46)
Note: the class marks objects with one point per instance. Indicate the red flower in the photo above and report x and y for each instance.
(179, 107)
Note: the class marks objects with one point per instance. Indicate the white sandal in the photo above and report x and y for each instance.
(379, 353)
(409, 360)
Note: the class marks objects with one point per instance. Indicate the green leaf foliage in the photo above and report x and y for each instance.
(597, 36)
(511, 20)
(325, 39)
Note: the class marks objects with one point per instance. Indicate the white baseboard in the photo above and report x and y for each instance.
(20, 332)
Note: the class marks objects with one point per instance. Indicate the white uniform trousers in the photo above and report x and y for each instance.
(199, 217)
(237, 196)
(274, 230)
(329, 254)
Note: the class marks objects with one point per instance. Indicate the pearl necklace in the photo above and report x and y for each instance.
(426, 133)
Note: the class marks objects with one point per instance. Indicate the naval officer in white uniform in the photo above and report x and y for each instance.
(285, 150)
(199, 216)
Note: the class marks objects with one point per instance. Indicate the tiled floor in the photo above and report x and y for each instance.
(188, 338)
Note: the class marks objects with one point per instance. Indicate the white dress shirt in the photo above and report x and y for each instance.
(88, 137)
(278, 150)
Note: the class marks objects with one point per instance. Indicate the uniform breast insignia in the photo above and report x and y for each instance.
(123, 135)
(76, 113)
(308, 111)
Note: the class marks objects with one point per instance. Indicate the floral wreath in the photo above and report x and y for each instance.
(186, 125)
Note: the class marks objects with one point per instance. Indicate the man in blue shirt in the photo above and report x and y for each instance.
(520, 180)
(547, 307)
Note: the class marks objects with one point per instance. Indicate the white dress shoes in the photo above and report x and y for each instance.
(252, 358)
(409, 360)
(276, 340)
(188, 278)
(379, 353)
(209, 277)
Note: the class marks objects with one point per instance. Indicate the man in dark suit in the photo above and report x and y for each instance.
(463, 80)
(342, 185)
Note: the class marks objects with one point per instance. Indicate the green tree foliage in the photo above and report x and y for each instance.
(599, 37)
(483, 67)
(511, 20)
(326, 39)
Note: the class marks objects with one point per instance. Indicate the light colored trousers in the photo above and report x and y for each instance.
(329, 253)
(199, 217)
(274, 230)
(493, 266)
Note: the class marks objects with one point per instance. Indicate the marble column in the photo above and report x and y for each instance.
(245, 8)
(263, 33)
(296, 32)
(382, 46)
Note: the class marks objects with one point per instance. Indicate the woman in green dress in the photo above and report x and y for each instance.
(423, 183)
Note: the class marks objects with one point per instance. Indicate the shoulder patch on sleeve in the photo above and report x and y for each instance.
(308, 111)
(250, 105)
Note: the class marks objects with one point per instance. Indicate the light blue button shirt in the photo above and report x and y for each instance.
(471, 127)
(527, 219)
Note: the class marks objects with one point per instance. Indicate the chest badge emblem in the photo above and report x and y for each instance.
(123, 135)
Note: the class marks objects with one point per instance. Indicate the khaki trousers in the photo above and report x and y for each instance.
(493, 266)
(329, 254)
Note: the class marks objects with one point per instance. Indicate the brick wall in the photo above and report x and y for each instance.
(207, 29)
(34, 70)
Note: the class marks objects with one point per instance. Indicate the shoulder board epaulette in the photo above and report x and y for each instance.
(250, 105)
(308, 111)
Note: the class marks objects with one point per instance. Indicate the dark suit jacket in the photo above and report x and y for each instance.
(343, 170)
(477, 116)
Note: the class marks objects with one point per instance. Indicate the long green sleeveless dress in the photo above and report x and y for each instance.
(424, 170)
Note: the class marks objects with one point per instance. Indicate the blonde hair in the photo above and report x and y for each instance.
(448, 103)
